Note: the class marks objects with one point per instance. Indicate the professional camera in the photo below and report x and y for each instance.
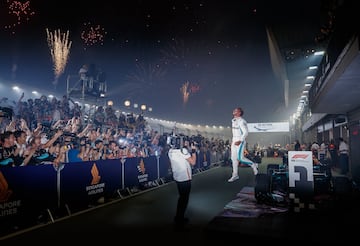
(176, 142)
(46, 128)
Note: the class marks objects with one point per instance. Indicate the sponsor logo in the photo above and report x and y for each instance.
(7, 207)
(96, 187)
(141, 167)
(143, 177)
(95, 175)
(4, 189)
(300, 156)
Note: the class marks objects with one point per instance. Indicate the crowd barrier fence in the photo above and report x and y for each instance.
(28, 193)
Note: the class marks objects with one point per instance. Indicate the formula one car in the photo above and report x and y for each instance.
(276, 187)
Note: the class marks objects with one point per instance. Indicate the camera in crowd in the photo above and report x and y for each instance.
(176, 142)
(46, 128)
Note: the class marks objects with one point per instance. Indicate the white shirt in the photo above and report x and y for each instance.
(180, 167)
(239, 129)
(343, 148)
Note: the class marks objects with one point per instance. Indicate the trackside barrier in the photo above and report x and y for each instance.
(30, 193)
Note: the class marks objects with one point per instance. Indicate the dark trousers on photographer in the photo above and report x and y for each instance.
(184, 189)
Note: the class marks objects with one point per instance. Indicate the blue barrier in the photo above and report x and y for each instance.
(139, 170)
(25, 193)
(83, 183)
(28, 192)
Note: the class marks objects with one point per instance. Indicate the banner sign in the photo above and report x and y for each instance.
(83, 183)
(269, 127)
(139, 170)
(26, 192)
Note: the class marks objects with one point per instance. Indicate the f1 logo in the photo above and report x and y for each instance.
(301, 178)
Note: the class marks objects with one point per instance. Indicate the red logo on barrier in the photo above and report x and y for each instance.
(5, 192)
(300, 156)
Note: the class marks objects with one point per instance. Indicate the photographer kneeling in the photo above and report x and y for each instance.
(181, 160)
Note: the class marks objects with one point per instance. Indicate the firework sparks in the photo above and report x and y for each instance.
(176, 53)
(194, 88)
(183, 54)
(187, 89)
(92, 35)
(146, 77)
(21, 11)
(59, 45)
(184, 89)
(147, 74)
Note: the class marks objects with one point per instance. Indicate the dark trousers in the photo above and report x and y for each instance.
(184, 189)
(344, 163)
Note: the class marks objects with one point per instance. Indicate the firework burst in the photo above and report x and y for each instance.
(187, 89)
(21, 13)
(147, 74)
(194, 88)
(92, 34)
(183, 54)
(59, 45)
(145, 78)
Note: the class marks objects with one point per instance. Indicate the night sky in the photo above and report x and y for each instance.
(150, 49)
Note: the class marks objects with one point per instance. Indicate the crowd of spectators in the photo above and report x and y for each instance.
(54, 131)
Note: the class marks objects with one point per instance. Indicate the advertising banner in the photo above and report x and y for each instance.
(269, 127)
(140, 170)
(26, 192)
(83, 183)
